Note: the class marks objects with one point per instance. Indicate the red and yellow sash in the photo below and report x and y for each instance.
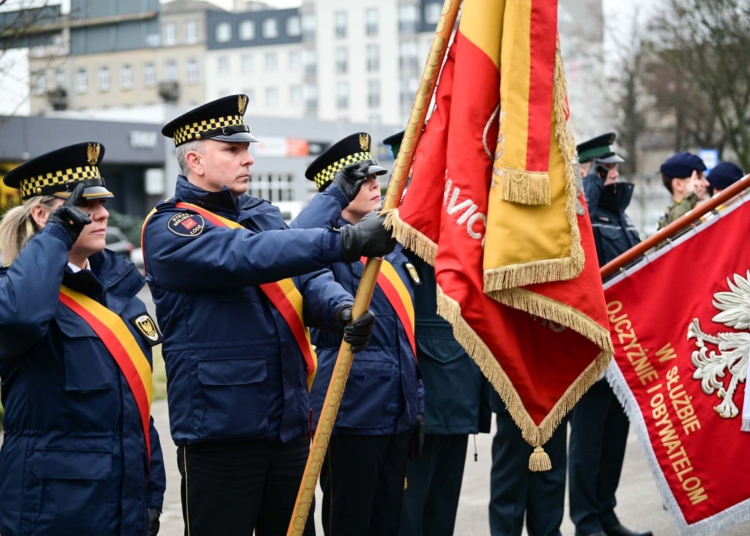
(282, 294)
(398, 295)
(121, 343)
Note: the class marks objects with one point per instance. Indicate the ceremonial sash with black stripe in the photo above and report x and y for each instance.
(398, 296)
(120, 342)
(283, 295)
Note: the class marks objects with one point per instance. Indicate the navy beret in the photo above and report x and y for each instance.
(682, 165)
(724, 175)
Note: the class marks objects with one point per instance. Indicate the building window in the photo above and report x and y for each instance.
(126, 77)
(223, 32)
(170, 73)
(342, 96)
(60, 78)
(432, 13)
(250, 97)
(81, 81)
(247, 30)
(295, 95)
(311, 62)
(272, 96)
(342, 60)
(311, 98)
(408, 54)
(192, 71)
(191, 31)
(104, 78)
(293, 26)
(340, 18)
(373, 58)
(408, 16)
(247, 63)
(271, 61)
(40, 84)
(408, 91)
(308, 27)
(270, 28)
(149, 75)
(373, 93)
(371, 21)
(169, 34)
(295, 60)
(223, 63)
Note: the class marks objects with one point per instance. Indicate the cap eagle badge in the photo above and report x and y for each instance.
(364, 142)
(92, 153)
(241, 104)
(734, 347)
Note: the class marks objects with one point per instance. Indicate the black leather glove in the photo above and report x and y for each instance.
(368, 238)
(69, 216)
(356, 333)
(351, 178)
(153, 521)
(416, 438)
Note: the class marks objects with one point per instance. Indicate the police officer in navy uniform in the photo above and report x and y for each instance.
(75, 459)
(456, 405)
(598, 425)
(380, 422)
(237, 377)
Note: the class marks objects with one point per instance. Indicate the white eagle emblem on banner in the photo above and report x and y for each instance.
(732, 357)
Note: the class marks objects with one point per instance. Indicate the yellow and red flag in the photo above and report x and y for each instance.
(518, 281)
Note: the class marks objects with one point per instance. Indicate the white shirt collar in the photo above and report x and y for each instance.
(75, 269)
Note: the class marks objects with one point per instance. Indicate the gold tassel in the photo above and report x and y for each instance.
(409, 237)
(539, 461)
(525, 187)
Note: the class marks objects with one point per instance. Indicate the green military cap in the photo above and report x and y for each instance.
(599, 149)
(394, 142)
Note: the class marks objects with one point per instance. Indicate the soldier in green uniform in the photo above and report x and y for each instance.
(683, 175)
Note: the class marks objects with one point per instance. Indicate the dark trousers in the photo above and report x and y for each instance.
(599, 432)
(233, 488)
(363, 484)
(515, 490)
(433, 487)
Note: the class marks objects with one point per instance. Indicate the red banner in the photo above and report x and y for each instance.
(679, 322)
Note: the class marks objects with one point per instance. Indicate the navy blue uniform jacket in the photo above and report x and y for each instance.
(234, 370)
(74, 457)
(381, 395)
(614, 232)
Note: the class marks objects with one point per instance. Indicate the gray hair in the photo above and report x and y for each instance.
(183, 150)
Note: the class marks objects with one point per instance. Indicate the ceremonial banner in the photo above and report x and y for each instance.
(541, 345)
(679, 322)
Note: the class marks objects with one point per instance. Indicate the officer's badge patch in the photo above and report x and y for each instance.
(147, 327)
(241, 104)
(92, 153)
(413, 273)
(186, 224)
(364, 142)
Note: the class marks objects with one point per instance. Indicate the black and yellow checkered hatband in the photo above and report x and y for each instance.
(199, 129)
(325, 176)
(59, 181)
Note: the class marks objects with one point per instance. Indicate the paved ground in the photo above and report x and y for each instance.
(639, 502)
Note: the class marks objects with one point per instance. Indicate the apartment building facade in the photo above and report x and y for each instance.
(122, 54)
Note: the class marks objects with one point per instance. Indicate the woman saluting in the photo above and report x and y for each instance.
(80, 454)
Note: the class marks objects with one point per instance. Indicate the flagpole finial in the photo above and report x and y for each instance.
(539, 461)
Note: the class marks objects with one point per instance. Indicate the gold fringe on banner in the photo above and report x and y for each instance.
(524, 187)
(497, 280)
(410, 238)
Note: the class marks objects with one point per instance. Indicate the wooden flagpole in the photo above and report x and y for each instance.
(676, 226)
(372, 268)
